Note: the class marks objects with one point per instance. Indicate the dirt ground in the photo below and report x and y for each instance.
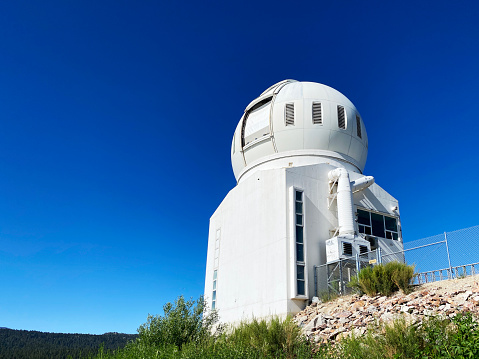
(451, 285)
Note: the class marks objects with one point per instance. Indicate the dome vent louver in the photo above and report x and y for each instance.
(289, 114)
(358, 126)
(341, 118)
(317, 116)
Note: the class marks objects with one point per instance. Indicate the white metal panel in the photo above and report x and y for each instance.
(291, 91)
(339, 141)
(338, 97)
(316, 139)
(364, 157)
(289, 139)
(260, 149)
(356, 148)
(313, 90)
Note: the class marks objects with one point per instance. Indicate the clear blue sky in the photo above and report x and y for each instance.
(117, 119)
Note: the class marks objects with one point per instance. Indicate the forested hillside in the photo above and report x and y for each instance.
(24, 344)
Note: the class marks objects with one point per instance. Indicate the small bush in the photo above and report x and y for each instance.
(367, 281)
(397, 340)
(401, 276)
(384, 279)
(183, 322)
(273, 338)
(435, 338)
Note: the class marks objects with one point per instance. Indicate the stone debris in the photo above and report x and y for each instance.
(331, 321)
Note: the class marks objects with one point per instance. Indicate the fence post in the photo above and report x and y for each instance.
(357, 264)
(379, 255)
(341, 291)
(315, 281)
(448, 256)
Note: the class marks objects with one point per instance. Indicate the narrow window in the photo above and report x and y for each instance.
(213, 297)
(341, 117)
(317, 115)
(215, 273)
(289, 114)
(358, 126)
(299, 224)
(300, 282)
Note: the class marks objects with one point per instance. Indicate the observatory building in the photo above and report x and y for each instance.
(301, 201)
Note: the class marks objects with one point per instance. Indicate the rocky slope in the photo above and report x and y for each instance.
(331, 321)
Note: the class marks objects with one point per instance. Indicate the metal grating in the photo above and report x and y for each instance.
(289, 114)
(358, 126)
(347, 249)
(317, 115)
(341, 117)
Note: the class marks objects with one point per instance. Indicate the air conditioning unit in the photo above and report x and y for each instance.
(346, 247)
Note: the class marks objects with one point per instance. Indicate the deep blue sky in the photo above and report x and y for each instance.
(117, 119)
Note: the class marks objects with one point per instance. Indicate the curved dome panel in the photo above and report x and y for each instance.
(294, 118)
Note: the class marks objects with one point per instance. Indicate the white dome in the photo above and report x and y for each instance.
(294, 119)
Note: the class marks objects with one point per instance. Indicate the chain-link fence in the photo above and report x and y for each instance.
(445, 256)
(332, 279)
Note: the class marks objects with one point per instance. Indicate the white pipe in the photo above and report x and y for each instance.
(344, 200)
(362, 183)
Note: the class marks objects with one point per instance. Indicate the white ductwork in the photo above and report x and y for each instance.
(344, 200)
(345, 197)
(346, 244)
(362, 183)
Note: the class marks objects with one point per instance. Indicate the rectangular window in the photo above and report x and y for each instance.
(299, 239)
(358, 126)
(299, 234)
(341, 117)
(216, 263)
(378, 225)
(300, 281)
(317, 114)
(289, 114)
(213, 297)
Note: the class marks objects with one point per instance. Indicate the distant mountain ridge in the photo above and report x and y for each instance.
(29, 344)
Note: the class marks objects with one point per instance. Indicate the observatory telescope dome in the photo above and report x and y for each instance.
(294, 120)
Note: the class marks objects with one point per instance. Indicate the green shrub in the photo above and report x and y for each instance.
(183, 322)
(435, 338)
(273, 338)
(402, 275)
(397, 340)
(367, 281)
(384, 279)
